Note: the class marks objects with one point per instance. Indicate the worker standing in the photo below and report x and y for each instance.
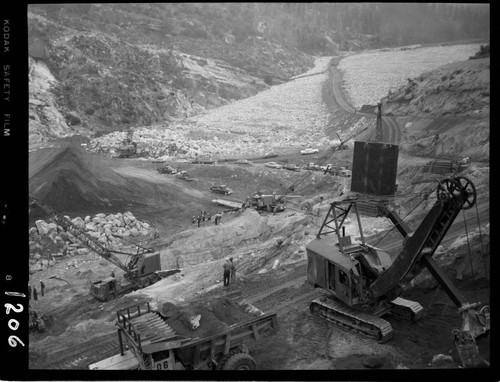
(227, 272)
(42, 288)
(35, 294)
(233, 271)
(199, 220)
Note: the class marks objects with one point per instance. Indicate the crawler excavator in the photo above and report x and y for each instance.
(140, 269)
(364, 284)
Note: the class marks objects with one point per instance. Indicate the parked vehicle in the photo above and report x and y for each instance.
(166, 169)
(273, 165)
(222, 189)
(204, 161)
(291, 167)
(332, 170)
(153, 345)
(309, 151)
(345, 173)
(243, 161)
(270, 155)
(184, 176)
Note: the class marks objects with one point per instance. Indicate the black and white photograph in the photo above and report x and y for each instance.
(274, 189)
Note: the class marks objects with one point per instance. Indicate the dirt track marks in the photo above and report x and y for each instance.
(82, 355)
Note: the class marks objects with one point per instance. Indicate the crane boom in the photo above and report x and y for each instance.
(90, 242)
(420, 246)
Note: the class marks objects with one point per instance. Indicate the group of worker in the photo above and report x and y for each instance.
(229, 271)
(33, 292)
(206, 217)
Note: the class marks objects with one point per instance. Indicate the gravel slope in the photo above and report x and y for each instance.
(287, 115)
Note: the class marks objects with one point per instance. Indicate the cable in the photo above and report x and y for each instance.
(470, 255)
(387, 233)
(482, 245)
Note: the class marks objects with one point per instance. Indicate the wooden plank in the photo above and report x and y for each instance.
(150, 324)
(141, 320)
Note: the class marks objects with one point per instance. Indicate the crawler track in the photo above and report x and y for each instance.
(351, 319)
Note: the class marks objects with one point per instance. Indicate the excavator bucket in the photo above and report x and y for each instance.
(474, 324)
(468, 350)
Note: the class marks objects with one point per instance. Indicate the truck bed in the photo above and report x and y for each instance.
(146, 332)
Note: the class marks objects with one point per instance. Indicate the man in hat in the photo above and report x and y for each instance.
(227, 272)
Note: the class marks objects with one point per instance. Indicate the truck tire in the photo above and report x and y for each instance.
(240, 361)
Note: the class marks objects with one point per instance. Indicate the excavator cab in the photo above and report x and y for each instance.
(346, 272)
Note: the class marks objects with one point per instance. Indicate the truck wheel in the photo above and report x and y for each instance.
(240, 361)
(154, 278)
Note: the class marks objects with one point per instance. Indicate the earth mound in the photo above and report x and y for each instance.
(209, 317)
(67, 176)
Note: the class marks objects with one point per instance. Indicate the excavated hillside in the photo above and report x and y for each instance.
(105, 69)
(269, 250)
(445, 112)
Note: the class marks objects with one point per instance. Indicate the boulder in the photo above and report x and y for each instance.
(82, 251)
(79, 222)
(442, 360)
(42, 227)
(36, 267)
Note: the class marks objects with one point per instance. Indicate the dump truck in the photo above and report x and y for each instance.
(153, 345)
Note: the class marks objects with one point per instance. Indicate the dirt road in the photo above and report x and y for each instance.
(391, 132)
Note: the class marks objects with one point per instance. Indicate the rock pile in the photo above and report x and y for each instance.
(276, 118)
(49, 241)
(206, 318)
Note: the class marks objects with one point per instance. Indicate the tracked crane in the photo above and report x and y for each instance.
(364, 284)
(140, 269)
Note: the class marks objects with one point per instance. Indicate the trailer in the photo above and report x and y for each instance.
(228, 203)
(154, 345)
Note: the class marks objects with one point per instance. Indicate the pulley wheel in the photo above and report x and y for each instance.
(468, 190)
(459, 186)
